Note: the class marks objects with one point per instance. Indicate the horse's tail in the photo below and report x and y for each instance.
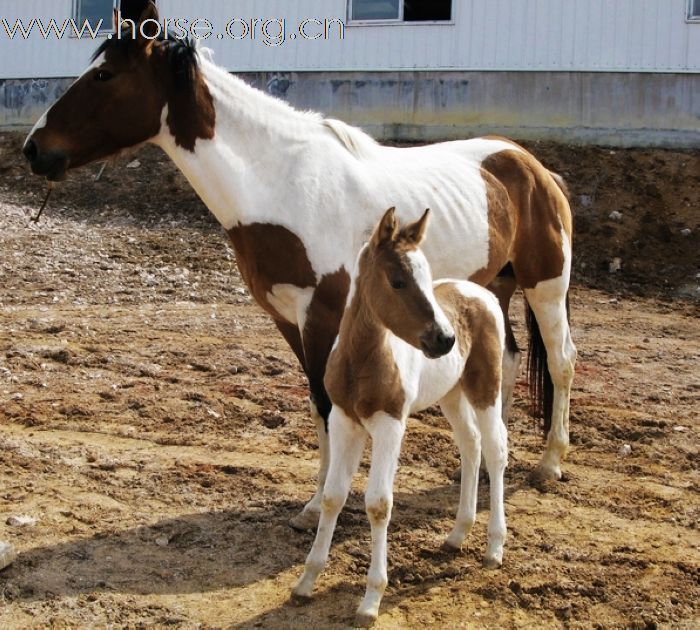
(538, 377)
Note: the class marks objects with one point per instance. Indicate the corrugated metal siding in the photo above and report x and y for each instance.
(527, 35)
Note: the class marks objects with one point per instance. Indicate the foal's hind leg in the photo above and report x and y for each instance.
(494, 444)
(548, 301)
(347, 443)
(466, 434)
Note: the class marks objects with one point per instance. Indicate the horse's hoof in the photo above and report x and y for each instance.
(365, 620)
(305, 521)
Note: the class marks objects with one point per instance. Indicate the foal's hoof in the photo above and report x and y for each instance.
(492, 562)
(299, 599)
(305, 520)
(365, 620)
(545, 474)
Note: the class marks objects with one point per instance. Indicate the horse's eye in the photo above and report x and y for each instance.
(103, 75)
(398, 284)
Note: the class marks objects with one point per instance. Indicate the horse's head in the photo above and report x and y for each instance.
(399, 286)
(120, 99)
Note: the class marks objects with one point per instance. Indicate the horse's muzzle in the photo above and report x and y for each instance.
(52, 164)
(436, 344)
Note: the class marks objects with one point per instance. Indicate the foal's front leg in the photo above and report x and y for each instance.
(387, 433)
(347, 441)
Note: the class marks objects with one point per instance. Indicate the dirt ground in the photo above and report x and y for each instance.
(155, 425)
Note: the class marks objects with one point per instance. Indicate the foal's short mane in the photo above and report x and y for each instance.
(180, 56)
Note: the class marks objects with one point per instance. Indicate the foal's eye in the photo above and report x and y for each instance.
(398, 284)
(103, 75)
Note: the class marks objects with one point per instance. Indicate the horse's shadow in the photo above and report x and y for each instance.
(213, 551)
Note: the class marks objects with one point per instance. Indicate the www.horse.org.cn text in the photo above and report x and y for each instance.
(271, 32)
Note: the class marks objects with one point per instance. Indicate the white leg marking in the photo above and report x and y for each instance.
(308, 517)
(387, 433)
(548, 302)
(494, 444)
(347, 443)
(461, 417)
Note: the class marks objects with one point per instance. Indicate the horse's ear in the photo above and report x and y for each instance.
(387, 228)
(133, 14)
(415, 232)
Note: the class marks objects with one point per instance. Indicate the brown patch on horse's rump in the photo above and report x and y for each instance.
(541, 211)
(479, 341)
(268, 255)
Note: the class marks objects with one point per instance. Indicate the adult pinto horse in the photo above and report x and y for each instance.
(299, 194)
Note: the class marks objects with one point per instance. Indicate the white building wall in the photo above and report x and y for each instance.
(519, 35)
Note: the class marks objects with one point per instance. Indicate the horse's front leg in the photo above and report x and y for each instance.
(308, 517)
(387, 433)
(319, 328)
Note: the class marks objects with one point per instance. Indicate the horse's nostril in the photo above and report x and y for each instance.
(445, 342)
(31, 151)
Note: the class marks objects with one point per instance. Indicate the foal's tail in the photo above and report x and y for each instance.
(538, 376)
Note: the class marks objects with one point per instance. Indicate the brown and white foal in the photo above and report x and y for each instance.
(405, 344)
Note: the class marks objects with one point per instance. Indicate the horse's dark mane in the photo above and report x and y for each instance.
(180, 55)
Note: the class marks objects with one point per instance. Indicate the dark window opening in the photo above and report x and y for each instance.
(401, 10)
(427, 10)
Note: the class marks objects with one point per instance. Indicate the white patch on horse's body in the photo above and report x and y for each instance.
(242, 178)
(291, 302)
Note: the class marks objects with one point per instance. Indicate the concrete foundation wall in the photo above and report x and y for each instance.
(616, 109)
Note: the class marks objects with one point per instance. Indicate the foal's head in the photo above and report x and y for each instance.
(120, 99)
(398, 287)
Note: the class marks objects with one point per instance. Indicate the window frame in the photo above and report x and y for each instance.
(105, 31)
(692, 16)
(400, 20)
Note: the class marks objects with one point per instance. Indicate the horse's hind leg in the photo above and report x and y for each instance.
(548, 300)
(503, 287)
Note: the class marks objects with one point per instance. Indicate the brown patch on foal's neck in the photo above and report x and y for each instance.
(362, 377)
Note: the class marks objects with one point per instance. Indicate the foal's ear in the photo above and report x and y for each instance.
(138, 12)
(415, 232)
(387, 228)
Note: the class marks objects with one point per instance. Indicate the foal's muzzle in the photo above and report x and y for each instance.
(52, 164)
(436, 343)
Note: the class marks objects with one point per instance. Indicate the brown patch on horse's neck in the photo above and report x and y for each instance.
(191, 111)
